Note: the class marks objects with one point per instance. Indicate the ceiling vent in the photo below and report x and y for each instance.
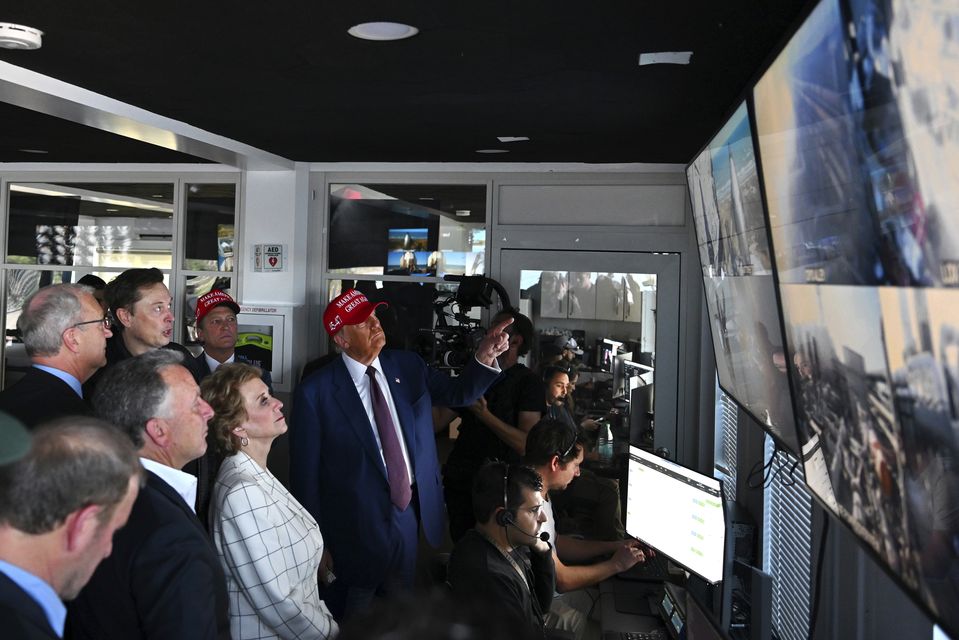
(17, 36)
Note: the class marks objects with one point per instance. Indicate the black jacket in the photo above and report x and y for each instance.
(23, 617)
(163, 579)
(40, 396)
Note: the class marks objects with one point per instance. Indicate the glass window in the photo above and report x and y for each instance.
(91, 224)
(210, 227)
(21, 284)
(612, 342)
(416, 230)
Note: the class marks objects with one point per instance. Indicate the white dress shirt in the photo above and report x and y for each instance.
(214, 364)
(183, 483)
(357, 371)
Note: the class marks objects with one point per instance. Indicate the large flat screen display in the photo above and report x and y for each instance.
(738, 279)
(858, 130)
(677, 511)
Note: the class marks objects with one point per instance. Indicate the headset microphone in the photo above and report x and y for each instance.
(544, 536)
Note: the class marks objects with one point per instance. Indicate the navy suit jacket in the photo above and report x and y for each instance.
(23, 617)
(337, 472)
(163, 579)
(39, 397)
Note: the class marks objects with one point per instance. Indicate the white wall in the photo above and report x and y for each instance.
(275, 210)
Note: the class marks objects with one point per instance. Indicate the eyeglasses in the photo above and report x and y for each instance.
(104, 322)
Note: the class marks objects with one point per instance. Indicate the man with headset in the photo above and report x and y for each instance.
(555, 450)
(503, 559)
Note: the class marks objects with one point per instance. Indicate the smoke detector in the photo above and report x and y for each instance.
(17, 36)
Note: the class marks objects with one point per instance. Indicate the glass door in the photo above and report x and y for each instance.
(613, 317)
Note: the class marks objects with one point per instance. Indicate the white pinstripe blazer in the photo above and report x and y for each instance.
(270, 547)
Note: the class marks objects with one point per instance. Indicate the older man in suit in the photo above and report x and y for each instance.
(49, 548)
(64, 330)
(163, 579)
(363, 458)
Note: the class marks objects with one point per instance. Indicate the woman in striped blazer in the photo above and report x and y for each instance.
(269, 545)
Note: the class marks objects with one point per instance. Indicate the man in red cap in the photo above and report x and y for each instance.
(216, 329)
(363, 457)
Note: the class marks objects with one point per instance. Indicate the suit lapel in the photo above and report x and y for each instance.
(157, 484)
(404, 407)
(348, 399)
(25, 605)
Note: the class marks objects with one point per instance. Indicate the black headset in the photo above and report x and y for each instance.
(505, 517)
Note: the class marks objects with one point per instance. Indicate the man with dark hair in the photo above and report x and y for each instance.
(60, 505)
(163, 579)
(65, 333)
(142, 311)
(502, 559)
(363, 455)
(99, 288)
(555, 450)
(495, 426)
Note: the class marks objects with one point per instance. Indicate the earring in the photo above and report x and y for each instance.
(244, 441)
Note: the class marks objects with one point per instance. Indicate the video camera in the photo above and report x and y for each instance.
(451, 343)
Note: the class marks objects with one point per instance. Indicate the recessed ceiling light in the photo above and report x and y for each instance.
(18, 36)
(157, 195)
(33, 150)
(382, 31)
(463, 213)
(492, 151)
(512, 138)
(112, 210)
(665, 57)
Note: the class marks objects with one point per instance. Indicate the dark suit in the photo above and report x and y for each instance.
(163, 579)
(337, 471)
(201, 369)
(40, 396)
(22, 616)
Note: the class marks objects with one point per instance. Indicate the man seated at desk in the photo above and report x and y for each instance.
(502, 559)
(555, 451)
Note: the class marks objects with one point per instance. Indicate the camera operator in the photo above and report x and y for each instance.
(495, 426)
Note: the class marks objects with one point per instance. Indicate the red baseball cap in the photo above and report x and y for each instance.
(214, 298)
(351, 307)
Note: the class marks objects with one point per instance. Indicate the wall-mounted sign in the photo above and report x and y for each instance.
(269, 257)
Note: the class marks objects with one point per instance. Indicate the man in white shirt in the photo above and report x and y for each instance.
(555, 450)
(60, 503)
(163, 579)
(362, 452)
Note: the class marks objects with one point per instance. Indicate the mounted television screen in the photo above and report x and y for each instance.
(859, 149)
(737, 276)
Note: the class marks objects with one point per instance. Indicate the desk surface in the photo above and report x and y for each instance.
(613, 620)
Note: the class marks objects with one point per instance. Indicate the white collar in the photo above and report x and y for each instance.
(357, 370)
(181, 482)
(213, 363)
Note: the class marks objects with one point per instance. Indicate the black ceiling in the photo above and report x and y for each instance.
(286, 77)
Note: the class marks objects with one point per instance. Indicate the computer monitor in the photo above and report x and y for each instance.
(678, 512)
(606, 350)
(620, 380)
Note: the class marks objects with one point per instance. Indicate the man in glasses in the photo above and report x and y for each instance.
(65, 334)
(555, 450)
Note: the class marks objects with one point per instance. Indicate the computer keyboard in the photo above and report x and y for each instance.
(656, 634)
(655, 569)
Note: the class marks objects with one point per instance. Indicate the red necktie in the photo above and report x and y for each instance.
(400, 491)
